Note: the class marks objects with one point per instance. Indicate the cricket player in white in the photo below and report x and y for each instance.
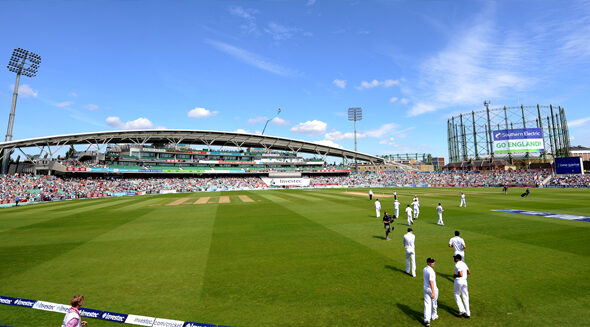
(409, 239)
(409, 213)
(463, 200)
(440, 211)
(430, 292)
(370, 195)
(396, 206)
(458, 244)
(460, 288)
(378, 208)
(416, 206)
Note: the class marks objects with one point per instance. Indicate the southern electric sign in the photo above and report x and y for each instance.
(521, 140)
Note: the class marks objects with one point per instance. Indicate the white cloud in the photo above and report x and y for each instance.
(337, 136)
(390, 82)
(201, 113)
(240, 130)
(384, 130)
(257, 120)
(249, 16)
(404, 101)
(339, 83)
(250, 58)
(392, 100)
(578, 43)
(25, 91)
(421, 108)
(64, 104)
(310, 2)
(246, 13)
(310, 127)
(139, 123)
(73, 94)
(91, 107)
(477, 64)
(280, 32)
(280, 122)
(388, 141)
(579, 122)
(375, 83)
(329, 143)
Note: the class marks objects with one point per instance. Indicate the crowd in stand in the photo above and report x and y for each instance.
(47, 188)
(570, 181)
(458, 179)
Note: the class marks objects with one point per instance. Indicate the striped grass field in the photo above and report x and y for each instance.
(297, 258)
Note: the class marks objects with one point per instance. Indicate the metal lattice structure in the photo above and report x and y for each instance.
(470, 134)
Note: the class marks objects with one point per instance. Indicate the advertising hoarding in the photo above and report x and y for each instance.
(519, 140)
(572, 165)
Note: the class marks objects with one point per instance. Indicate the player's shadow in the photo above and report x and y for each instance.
(396, 269)
(379, 237)
(417, 315)
(446, 276)
(448, 309)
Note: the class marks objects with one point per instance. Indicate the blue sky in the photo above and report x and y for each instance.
(228, 65)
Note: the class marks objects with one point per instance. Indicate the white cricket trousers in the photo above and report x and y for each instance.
(440, 221)
(416, 212)
(430, 304)
(411, 261)
(410, 220)
(378, 212)
(397, 213)
(462, 291)
(463, 203)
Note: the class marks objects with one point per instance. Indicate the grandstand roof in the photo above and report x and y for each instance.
(208, 138)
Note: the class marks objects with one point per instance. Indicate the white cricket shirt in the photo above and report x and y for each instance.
(409, 211)
(439, 209)
(462, 267)
(409, 239)
(457, 243)
(429, 275)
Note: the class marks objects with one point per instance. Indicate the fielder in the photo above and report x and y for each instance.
(440, 211)
(395, 195)
(409, 213)
(416, 206)
(378, 208)
(370, 195)
(460, 288)
(463, 200)
(430, 293)
(409, 239)
(396, 206)
(459, 244)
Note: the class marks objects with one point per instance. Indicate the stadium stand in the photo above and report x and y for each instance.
(31, 189)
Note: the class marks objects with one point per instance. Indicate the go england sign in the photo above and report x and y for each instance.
(520, 140)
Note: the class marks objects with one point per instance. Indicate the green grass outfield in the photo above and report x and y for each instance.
(298, 258)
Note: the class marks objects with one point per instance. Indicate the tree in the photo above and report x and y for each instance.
(70, 152)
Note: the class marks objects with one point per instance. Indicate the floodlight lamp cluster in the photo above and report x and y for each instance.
(24, 62)
(355, 114)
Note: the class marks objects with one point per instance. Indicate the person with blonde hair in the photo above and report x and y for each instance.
(73, 318)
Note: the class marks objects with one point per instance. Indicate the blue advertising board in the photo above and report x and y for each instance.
(572, 165)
